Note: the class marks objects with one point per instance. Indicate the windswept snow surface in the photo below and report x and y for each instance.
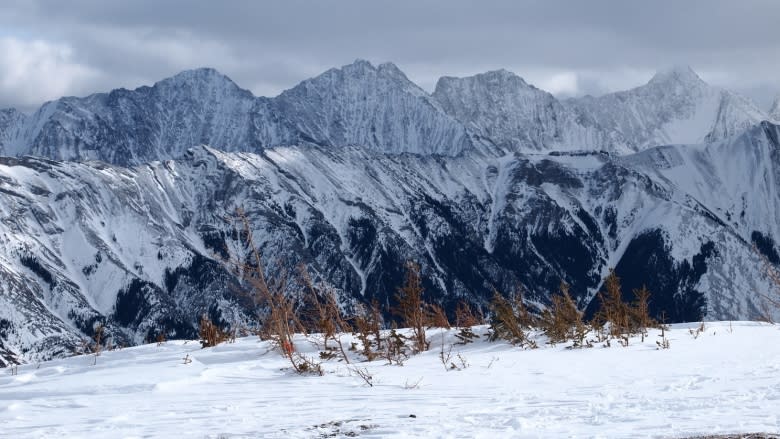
(726, 380)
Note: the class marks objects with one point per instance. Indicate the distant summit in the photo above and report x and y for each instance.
(681, 74)
(377, 108)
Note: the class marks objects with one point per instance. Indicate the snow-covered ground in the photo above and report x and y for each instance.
(726, 380)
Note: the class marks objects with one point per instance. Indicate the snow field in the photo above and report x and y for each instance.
(725, 380)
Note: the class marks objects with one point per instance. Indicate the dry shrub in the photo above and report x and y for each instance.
(640, 312)
(367, 330)
(562, 321)
(376, 322)
(411, 308)
(510, 321)
(613, 309)
(280, 321)
(625, 319)
(210, 333)
(395, 348)
(465, 316)
(97, 337)
(326, 316)
(769, 301)
(465, 320)
(437, 318)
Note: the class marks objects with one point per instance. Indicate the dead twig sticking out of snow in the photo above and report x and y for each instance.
(363, 374)
(695, 333)
(412, 385)
(462, 360)
(187, 359)
(98, 337)
(490, 364)
(663, 343)
(445, 355)
(306, 365)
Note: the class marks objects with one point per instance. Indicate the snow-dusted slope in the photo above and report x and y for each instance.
(774, 111)
(374, 107)
(724, 381)
(675, 107)
(377, 108)
(10, 121)
(134, 126)
(517, 116)
(359, 104)
(142, 248)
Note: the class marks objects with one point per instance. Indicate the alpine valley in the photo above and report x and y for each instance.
(119, 207)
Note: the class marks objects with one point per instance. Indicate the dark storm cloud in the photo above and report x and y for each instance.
(50, 48)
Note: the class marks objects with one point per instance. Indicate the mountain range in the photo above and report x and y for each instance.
(113, 209)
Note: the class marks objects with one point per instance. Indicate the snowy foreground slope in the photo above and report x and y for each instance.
(725, 380)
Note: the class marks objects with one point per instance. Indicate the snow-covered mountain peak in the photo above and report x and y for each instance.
(10, 121)
(774, 110)
(9, 116)
(201, 74)
(8, 111)
(198, 82)
(376, 107)
(503, 75)
(679, 74)
(392, 70)
(502, 106)
(359, 75)
(501, 79)
(359, 64)
(675, 107)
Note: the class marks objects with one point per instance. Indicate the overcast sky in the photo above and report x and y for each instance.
(54, 48)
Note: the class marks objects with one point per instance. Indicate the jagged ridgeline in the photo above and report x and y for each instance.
(489, 183)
